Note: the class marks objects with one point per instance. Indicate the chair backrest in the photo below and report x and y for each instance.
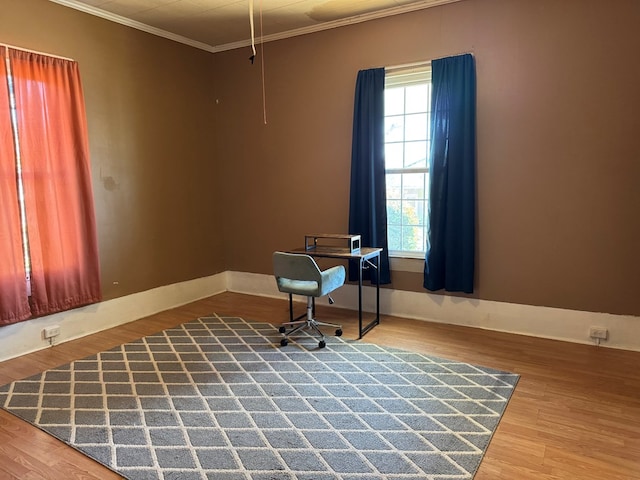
(296, 266)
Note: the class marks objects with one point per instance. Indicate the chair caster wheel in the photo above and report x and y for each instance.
(321, 344)
(284, 342)
(339, 332)
(282, 329)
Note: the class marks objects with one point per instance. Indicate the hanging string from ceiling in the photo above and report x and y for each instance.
(253, 56)
(264, 96)
(253, 34)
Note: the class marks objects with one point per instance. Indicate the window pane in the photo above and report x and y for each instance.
(413, 212)
(393, 212)
(412, 239)
(394, 186)
(416, 127)
(393, 153)
(415, 155)
(426, 187)
(394, 237)
(394, 129)
(393, 101)
(417, 99)
(413, 185)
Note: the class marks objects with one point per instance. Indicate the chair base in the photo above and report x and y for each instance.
(309, 323)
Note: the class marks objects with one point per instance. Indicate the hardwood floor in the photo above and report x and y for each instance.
(575, 413)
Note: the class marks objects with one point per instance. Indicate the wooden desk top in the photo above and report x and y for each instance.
(339, 252)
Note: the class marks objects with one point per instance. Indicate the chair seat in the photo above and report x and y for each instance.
(298, 287)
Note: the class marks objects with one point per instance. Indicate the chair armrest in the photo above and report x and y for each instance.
(331, 279)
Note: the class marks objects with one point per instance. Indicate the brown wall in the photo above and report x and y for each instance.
(150, 118)
(558, 142)
(187, 187)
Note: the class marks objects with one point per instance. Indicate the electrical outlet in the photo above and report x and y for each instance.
(50, 332)
(599, 332)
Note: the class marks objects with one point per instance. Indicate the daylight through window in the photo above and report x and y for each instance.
(20, 184)
(407, 144)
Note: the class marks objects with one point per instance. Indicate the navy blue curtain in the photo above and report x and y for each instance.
(368, 205)
(450, 257)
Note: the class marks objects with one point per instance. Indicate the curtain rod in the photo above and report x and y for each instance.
(423, 63)
(35, 51)
(409, 65)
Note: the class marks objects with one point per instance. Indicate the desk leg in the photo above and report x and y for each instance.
(376, 320)
(378, 290)
(290, 307)
(360, 268)
(291, 319)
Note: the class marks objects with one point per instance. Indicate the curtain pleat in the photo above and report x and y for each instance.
(450, 257)
(367, 206)
(57, 182)
(13, 288)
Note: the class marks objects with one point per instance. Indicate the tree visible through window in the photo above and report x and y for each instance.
(407, 116)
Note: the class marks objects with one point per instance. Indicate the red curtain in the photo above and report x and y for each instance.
(13, 288)
(57, 182)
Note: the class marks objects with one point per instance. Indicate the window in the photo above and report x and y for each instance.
(407, 129)
(48, 239)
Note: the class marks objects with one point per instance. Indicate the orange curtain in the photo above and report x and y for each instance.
(13, 288)
(57, 182)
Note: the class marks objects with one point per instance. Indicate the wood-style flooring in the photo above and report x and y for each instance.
(575, 413)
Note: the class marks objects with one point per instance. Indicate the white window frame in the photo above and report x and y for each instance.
(396, 78)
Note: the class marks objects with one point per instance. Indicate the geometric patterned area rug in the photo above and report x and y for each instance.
(219, 398)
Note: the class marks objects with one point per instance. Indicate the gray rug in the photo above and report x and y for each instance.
(218, 398)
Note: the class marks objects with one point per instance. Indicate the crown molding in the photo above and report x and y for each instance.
(112, 17)
(91, 10)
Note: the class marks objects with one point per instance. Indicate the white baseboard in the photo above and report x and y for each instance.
(25, 337)
(545, 322)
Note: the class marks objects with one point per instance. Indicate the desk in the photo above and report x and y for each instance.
(364, 255)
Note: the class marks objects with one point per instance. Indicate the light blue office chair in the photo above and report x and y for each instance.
(299, 274)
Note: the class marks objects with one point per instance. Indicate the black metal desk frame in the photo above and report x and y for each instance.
(366, 258)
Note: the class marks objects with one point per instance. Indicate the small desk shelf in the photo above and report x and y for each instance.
(332, 239)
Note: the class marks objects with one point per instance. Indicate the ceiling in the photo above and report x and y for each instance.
(217, 25)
